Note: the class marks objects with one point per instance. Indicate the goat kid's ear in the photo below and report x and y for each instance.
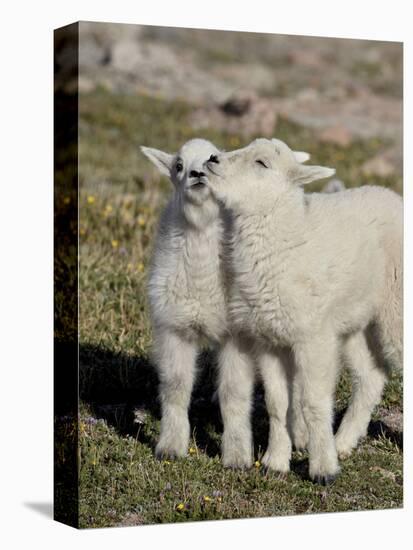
(306, 174)
(163, 161)
(301, 156)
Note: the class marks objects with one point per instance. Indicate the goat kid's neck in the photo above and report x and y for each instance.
(200, 219)
(284, 215)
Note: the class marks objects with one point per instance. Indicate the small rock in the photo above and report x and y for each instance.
(126, 55)
(151, 61)
(339, 135)
(306, 57)
(244, 114)
(91, 53)
(85, 84)
(307, 95)
(385, 473)
(241, 75)
(237, 105)
(335, 93)
(392, 419)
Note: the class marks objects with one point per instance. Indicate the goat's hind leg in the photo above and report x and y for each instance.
(368, 383)
(175, 360)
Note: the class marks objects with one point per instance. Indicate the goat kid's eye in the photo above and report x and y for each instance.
(179, 166)
(261, 163)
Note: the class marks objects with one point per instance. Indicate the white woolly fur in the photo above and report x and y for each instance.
(188, 306)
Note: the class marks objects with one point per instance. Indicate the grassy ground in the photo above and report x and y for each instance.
(120, 481)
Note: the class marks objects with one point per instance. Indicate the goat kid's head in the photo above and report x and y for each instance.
(259, 173)
(185, 168)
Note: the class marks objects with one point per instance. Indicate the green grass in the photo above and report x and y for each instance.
(119, 476)
(121, 197)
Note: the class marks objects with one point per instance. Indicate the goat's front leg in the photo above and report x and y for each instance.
(235, 390)
(317, 364)
(175, 360)
(273, 371)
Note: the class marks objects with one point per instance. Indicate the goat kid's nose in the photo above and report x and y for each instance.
(196, 174)
(213, 158)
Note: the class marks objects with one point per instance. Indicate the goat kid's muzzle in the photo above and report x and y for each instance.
(197, 183)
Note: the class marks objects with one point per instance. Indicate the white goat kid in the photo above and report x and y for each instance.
(188, 306)
(317, 274)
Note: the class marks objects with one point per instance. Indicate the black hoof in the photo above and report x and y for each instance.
(325, 480)
(266, 470)
(164, 455)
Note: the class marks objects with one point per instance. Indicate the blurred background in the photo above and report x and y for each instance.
(340, 100)
(244, 83)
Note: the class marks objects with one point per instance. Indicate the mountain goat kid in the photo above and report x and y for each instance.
(189, 307)
(320, 274)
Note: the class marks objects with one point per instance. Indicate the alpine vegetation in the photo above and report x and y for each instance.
(317, 274)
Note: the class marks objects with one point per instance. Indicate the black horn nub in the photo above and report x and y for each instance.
(214, 158)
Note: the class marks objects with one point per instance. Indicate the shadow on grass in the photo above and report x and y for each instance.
(123, 390)
(114, 385)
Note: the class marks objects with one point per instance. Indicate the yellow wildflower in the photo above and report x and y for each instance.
(257, 463)
(180, 507)
(207, 498)
(91, 199)
(192, 451)
(115, 243)
(166, 462)
(140, 267)
(141, 221)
